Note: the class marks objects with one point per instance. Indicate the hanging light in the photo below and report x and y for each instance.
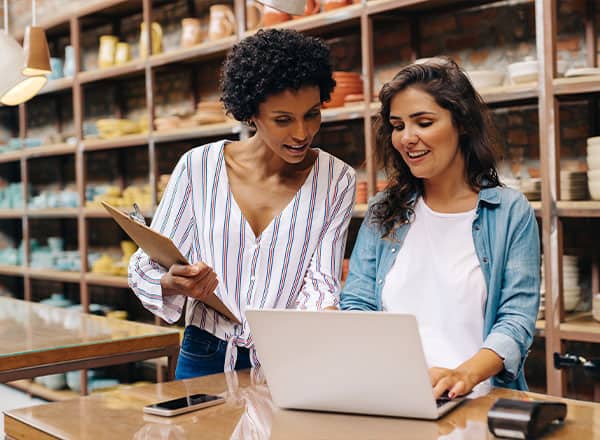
(37, 55)
(15, 88)
(293, 7)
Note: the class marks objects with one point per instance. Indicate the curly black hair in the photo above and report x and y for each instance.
(270, 62)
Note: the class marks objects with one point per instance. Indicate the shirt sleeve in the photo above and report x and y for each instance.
(322, 279)
(174, 218)
(513, 331)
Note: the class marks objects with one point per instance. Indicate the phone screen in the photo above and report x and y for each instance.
(184, 402)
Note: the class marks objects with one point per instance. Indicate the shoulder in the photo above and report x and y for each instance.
(336, 167)
(213, 149)
(507, 199)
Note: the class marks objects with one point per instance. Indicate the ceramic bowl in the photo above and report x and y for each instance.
(593, 162)
(593, 175)
(593, 149)
(594, 190)
(523, 71)
(482, 79)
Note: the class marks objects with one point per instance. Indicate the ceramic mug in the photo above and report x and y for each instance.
(221, 23)
(156, 35)
(191, 32)
(106, 53)
(254, 15)
(56, 65)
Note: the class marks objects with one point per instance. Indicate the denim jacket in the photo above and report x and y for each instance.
(506, 238)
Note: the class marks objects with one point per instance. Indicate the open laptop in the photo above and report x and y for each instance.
(346, 361)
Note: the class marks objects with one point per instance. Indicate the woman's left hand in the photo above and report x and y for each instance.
(456, 382)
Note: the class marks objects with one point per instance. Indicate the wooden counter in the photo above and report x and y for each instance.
(37, 339)
(250, 414)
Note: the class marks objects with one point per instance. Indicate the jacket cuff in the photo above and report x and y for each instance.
(508, 349)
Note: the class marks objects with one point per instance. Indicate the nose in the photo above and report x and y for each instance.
(300, 132)
(409, 137)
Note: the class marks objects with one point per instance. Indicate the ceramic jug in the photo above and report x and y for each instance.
(69, 66)
(156, 31)
(106, 53)
(191, 32)
(221, 23)
(122, 53)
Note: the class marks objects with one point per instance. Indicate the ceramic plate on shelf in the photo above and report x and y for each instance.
(582, 71)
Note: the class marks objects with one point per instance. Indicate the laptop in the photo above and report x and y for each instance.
(346, 361)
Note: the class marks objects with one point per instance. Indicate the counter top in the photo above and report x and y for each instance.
(249, 413)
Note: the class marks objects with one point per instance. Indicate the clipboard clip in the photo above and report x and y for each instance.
(136, 215)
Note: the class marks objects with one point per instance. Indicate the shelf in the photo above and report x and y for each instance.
(537, 207)
(540, 327)
(54, 275)
(49, 150)
(114, 72)
(11, 156)
(11, 213)
(52, 212)
(45, 393)
(6, 269)
(508, 93)
(98, 212)
(584, 208)
(57, 85)
(106, 280)
(581, 84)
(322, 19)
(201, 131)
(193, 53)
(580, 327)
(132, 140)
(345, 113)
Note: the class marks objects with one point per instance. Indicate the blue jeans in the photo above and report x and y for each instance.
(202, 354)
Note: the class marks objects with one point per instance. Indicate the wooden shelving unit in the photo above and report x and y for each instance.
(355, 18)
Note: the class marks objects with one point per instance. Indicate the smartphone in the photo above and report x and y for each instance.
(183, 405)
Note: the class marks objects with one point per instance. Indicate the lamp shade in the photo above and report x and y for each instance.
(37, 55)
(24, 90)
(293, 7)
(11, 63)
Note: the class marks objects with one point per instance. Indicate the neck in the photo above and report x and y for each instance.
(450, 192)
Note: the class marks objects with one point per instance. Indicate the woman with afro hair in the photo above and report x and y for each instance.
(263, 221)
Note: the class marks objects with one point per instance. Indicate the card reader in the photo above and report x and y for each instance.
(524, 419)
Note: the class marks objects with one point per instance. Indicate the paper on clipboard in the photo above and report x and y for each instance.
(161, 249)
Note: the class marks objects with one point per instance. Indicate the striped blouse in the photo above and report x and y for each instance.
(295, 262)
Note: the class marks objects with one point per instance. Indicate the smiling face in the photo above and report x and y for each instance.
(426, 137)
(288, 122)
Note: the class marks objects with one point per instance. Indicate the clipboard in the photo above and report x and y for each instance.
(162, 250)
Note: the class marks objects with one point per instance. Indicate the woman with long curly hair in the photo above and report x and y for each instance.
(263, 220)
(445, 241)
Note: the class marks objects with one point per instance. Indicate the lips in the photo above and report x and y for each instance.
(296, 148)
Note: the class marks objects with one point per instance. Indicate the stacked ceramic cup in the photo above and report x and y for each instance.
(593, 163)
(571, 288)
(573, 185)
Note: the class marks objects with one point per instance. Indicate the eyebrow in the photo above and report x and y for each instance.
(282, 112)
(414, 115)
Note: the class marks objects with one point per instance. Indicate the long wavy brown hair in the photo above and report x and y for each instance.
(449, 86)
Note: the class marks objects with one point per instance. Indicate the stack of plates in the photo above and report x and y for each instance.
(571, 288)
(347, 83)
(532, 188)
(573, 185)
(593, 162)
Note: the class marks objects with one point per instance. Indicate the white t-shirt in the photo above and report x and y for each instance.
(437, 278)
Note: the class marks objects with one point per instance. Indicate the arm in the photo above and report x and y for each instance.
(322, 280)
(359, 292)
(173, 218)
(512, 332)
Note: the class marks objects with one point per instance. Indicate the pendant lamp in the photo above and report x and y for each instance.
(293, 7)
(37, 55)
(15, 88)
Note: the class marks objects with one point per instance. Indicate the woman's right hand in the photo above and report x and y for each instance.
(194, 280)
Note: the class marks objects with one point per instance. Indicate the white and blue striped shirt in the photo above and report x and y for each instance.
(295, 262)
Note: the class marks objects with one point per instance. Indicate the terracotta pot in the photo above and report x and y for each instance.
(272, 16)
(329, 5)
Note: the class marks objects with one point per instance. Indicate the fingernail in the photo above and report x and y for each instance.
(451, 395)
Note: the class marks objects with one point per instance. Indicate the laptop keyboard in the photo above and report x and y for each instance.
(442, 400)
